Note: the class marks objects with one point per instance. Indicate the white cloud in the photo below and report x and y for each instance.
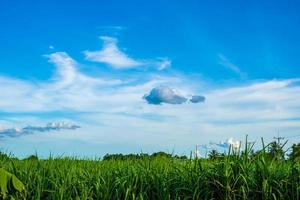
(235, 144)
(112, 55)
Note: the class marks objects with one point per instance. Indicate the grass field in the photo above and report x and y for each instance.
(234, 176)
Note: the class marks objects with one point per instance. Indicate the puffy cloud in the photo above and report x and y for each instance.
(164, 94)
(112, 55)
(197, 99)
(53, 126)
(234, 143)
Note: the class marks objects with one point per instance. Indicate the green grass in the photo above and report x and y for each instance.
(235, 176)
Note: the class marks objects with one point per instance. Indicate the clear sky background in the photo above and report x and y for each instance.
(146, 75)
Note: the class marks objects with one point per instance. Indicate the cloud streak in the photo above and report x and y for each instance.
(53, 126)
(225, 62)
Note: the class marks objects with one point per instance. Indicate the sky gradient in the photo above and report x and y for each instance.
(96, 77)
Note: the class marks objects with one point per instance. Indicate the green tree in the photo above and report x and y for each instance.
(295, 154)
(213, 154)
(276, 151)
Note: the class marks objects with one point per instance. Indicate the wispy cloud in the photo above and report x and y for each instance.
(224, 61)
(163, 63)
(53, 126)
(111, 29)
(111, 55)
(66, 72)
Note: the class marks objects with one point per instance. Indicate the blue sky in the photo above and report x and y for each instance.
(128, 74)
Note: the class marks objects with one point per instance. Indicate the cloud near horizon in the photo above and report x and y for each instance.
(52, 126)
(111, 55)
(231, 142)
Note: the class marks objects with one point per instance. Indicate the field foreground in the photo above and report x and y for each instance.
(235, 176)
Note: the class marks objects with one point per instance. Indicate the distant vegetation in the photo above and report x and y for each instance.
(141, 156)
(239, 174)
